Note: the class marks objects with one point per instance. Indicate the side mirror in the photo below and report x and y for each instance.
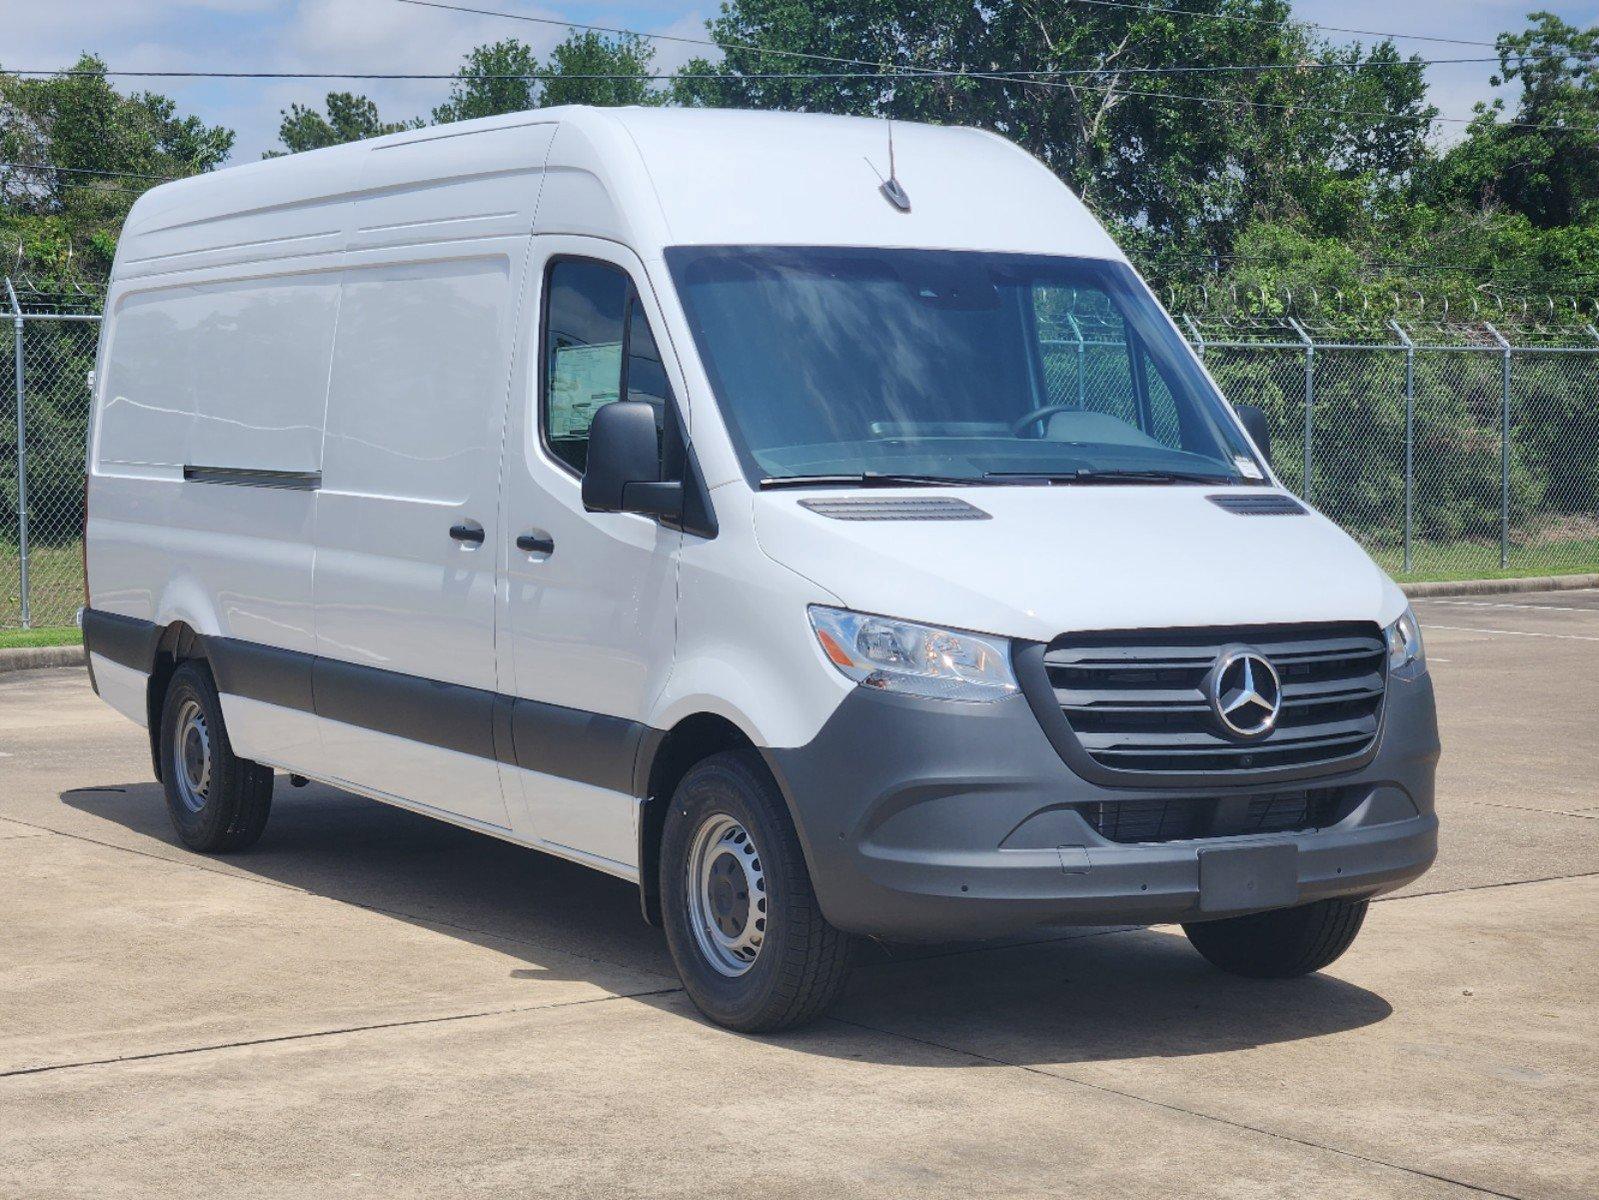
(624, 464)
(1254, 420)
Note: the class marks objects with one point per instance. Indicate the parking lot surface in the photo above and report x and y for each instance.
(370, 1003)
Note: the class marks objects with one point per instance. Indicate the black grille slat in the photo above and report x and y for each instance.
(1165, 819)
(1203, 739)
(1135, 701)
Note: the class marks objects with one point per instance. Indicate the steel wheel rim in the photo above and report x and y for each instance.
(726, 886)
(192, 756)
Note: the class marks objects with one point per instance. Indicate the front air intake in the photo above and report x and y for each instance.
(1274, 504)
(930, 508)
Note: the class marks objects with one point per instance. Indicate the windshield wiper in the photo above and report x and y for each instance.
(1087, 475)
(872, 479)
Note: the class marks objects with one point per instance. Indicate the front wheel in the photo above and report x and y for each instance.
(1283, 943)
(750, 943)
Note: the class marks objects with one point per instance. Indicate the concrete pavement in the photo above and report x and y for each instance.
(373, 1004)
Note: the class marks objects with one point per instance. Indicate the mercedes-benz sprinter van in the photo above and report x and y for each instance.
(815, 521)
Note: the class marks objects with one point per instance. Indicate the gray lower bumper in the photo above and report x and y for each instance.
(933, 820)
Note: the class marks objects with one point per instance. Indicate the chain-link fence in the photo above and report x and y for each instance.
(1450, 451)
(45, 372)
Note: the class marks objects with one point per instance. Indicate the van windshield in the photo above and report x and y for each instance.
(857, 365)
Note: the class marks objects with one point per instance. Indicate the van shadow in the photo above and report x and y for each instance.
(1054, 996)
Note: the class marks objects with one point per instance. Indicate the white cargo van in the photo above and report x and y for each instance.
(833, 539)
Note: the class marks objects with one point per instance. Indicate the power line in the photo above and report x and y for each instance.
(19, 166)
(684, 39)
(892, 71)
(1204, 16)
(1054, 73)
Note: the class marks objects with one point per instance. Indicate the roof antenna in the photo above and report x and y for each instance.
(893, 191)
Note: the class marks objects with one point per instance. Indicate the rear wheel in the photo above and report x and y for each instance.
(750, 942)
(218, 801)
(1283, 943)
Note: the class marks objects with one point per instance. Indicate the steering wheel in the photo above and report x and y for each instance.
(1020, 424)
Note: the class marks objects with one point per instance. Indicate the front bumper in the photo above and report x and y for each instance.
(938, 820)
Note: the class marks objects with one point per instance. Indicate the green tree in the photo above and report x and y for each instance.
(349, 119)
(1549, 173)
(496, 78)
(1179, 161)
(104, 148)
(591, 68)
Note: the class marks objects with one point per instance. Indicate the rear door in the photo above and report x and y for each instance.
(588, 613)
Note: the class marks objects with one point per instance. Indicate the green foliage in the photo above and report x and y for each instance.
(482, 89)
(81, 123)
(585, 68)
(1177, 161)
(591, 54)
(349, 119)
(1549, 174)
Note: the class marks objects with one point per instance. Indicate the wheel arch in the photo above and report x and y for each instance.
(663, 762)
(178, 643)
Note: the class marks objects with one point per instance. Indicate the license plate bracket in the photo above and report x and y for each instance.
(1242, 877)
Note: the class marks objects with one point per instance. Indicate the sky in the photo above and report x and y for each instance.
(388, 36)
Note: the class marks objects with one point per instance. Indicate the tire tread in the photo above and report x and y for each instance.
(242, 790)
(1281, 944)
(816, 957)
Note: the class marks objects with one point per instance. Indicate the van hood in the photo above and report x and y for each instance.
(1047, 560)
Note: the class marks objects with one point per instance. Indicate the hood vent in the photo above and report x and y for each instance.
(1274, 504)
(931, 508)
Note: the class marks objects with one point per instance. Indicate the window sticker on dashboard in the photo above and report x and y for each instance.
(586, 378)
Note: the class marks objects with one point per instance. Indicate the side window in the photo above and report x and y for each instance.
(598, 347)
(585, 323)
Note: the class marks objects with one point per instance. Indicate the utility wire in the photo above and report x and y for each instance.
(892, 71)
(1205, 16)
(1056, 73)
(20, 166)
(1119, 4)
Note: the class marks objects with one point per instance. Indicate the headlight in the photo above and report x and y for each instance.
(920, 660)
(1404, 641)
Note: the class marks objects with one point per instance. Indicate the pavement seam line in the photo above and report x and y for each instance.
(1484, 887)
(1177, 1108)
(423, 922)
(1553, 812)
(322, 1033)
(1564, 637)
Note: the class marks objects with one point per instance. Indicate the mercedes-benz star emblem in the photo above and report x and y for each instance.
(1245, 693)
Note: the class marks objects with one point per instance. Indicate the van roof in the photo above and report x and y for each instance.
(654, 177)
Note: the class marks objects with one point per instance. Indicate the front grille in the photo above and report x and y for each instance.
(1177, 819)
(1136, 701)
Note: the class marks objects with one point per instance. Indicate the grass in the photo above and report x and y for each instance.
(11, 639)
(1453, 561)
(55, 585)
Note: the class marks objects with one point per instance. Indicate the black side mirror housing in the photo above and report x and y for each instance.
(1254, 421)
(624, 464)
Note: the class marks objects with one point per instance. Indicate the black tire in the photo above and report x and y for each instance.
(221, 804)
(1283, 943)
(802, 962)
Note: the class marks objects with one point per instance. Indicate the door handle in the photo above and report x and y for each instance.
(535, 544)
(467, 533)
